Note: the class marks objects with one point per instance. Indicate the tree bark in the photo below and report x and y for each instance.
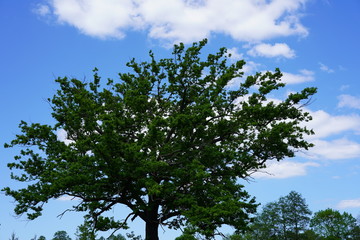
(151, 231)
(151, 221)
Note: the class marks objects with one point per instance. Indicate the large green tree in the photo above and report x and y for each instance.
(169, 140)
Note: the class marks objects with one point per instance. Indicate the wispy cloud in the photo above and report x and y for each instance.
(42, 10)
(354, 203)
(303, 76)
(349, 101)
(270, 51)
(344, 87)
(68, 198)
(181, 20)
(285, 169)
(325, 68)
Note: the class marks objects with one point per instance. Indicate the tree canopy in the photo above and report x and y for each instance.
(61, 235)
(169, 140)
(286, 218)
(332, 224)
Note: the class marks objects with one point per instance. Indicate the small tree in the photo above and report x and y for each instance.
(331, 223)
(287, 218)
(295, 213)
(61, 235)
(85, 232)
(170, 141)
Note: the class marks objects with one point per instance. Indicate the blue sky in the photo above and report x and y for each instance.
(314, 43)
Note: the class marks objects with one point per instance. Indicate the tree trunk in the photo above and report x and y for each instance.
(151, 232)
(151, 220)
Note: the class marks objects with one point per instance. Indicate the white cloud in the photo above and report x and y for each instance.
(354, 203)
(42, 10)
(325, 68)
(344, 87)
(303, 76)
(335, 149)
(349, 101)
(102, 19)
(285, 169)
(235, 55)
(182, 20)
(326, 125)
(68, 198)
(268, 50)
(62, 136)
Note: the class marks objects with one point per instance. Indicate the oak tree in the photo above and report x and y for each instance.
(170, 140)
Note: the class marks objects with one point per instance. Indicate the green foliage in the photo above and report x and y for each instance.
(296, 214)
(61, 235)
(188, 234)
(169, 140)
(286, 218)
(85, 232)
(331, 224)
(41, 238)
(116, 237)
(133, 236)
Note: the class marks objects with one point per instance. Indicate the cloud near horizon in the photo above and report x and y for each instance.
(180, 20)
(353, 203)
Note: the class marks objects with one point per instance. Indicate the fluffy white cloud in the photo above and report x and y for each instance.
(354, 203)
(325, 68)
(268, 50)
(335, 149)
(349, 101)
(326, 125)
(63, 137)
(303, 76)
(182, 20)
(285, 169)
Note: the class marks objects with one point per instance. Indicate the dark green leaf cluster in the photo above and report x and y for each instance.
(169, 140)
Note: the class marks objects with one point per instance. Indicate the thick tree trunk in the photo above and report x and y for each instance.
(152, 230)
(151, 220)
